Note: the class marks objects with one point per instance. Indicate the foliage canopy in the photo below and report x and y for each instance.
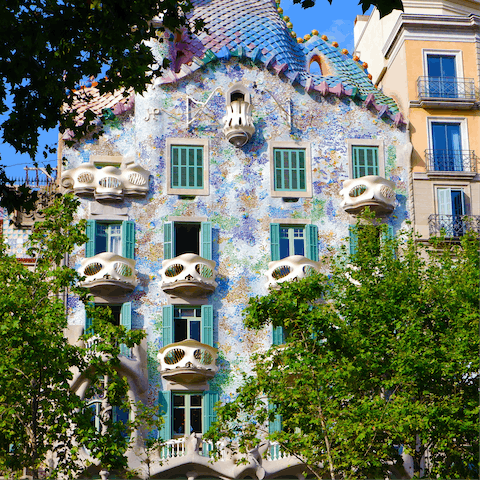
(380, 360)
(43, 423)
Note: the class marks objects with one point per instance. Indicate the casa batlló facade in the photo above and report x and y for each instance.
(241, 166)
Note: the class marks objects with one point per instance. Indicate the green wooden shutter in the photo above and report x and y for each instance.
(90, 232)
(277, 336)
(167, 331)
(365, 161)
(209, 401)
(352, 231)
(276, 424)
(126, 321)
(206, 240)
(388, 235)
(168, 241)
(128, 239)
(165, 411)
(207, 325)
(311, 234)
(88, 321)
(275, 241)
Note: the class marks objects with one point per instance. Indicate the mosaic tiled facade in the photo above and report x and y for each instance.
(229, 203)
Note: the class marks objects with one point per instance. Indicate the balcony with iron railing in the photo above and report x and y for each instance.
(453, 226)
(371, 191)
(294, 267)
(188, 275)
(108, 274)
(446, 92)
(451, 161)
(188, 362)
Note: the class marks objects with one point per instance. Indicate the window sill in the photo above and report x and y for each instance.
(444, 103)
(188, 192)
(291, 196)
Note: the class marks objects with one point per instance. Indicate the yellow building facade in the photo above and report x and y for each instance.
(428, 59)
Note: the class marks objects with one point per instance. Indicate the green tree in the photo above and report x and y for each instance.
(40, 417)
(380, 357)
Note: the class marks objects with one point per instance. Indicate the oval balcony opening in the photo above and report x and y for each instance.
(188, 362)
(371, 191)
(108, 274)
(188, 275)
(294, 267)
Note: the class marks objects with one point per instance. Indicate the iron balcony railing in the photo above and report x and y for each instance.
(453, 225)
(451, 160)
(451, 88)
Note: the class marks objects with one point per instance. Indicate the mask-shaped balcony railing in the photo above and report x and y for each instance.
(446, 88)
(289, 269)
(451, 161)
(188, 275)
(453, 226)
(370, 191)
(188, 362)
(107, 183)
(108, 274)
(92, 342)
(238, 122)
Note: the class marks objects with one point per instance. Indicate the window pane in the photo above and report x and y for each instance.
(180, 329)
(196, 420)
(115, 241)
(196, 400)
(195, 330)
(179, 420)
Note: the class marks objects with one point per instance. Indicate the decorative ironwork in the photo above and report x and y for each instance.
(453, 226)
(446, 88)
(451, 160)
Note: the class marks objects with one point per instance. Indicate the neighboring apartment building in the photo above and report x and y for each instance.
(428, 60)
(235, 172)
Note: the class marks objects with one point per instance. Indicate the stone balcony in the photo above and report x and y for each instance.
(107, 183)
(188, 362)
(371, 191)
(289, 269)
(238, 123)
(108, 274)
(188, 275)
(267, 460)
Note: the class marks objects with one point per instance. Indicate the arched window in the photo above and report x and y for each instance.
(315, 65)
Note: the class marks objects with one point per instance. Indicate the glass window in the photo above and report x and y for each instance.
(451, 211)
(447, 147)
(187, 166)
(187, 323)
(442, 81)
(292, 241)
(108, 238)
(290, 169)
(364, 161)
(187, 414)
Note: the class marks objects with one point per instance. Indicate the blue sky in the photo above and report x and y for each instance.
(335, 21)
